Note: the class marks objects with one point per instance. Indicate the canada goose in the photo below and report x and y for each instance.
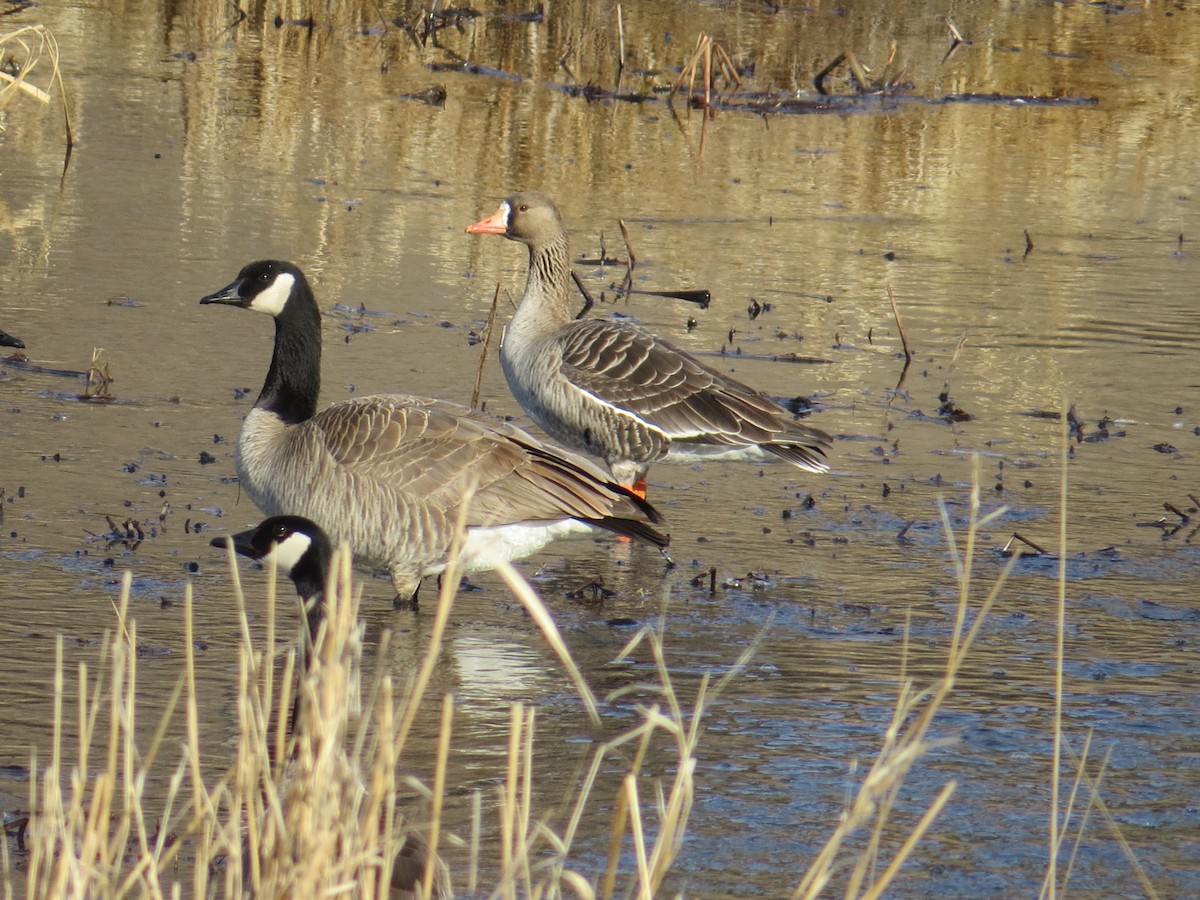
(387, 474)
(302, 552)
(612, 390)
(7, 340)
(299, 549)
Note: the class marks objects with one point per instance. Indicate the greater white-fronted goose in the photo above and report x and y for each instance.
(7, 340)
(387, 474)
(610, 389)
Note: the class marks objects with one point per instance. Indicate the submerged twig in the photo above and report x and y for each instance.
(487, 340)
(588, 302)
(899, 326)
(628, 247)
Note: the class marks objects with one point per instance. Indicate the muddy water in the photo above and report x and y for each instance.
(205, 142)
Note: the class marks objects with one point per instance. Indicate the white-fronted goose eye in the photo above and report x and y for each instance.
(610, 389)
(387, 474)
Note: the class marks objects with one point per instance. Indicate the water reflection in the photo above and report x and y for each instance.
(205, 141)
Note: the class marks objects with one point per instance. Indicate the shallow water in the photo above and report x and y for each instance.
(204, 143)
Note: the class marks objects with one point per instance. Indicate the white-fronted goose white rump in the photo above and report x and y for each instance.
(610, 389)
(387, 474)
(7, 340)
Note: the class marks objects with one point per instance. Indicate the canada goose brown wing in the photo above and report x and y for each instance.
(668, 390)
(432, 452)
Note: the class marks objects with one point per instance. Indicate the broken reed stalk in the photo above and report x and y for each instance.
(620, 44)
(588, 302)
(628, 246)
(1059, 652)
(487, 341)
(899, 325)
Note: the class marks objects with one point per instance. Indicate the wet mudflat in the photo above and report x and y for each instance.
(1040, 255)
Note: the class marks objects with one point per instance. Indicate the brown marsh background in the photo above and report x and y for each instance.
(205, 139)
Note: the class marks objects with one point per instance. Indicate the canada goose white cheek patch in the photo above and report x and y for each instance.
(275, 298)
(287, 553)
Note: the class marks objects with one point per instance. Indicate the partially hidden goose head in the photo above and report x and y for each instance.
(608, 388)
(7, 340)
(302, 552)
(296, 545)
(388, 473)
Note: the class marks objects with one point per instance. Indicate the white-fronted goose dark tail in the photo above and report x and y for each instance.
(387, 474)
(7, 340)
(612, 390)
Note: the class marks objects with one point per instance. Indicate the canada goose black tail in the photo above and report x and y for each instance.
(633, 529)
(642, 504)
(808, 457)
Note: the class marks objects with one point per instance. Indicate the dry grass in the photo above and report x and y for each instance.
(315, 814)
(25, 51)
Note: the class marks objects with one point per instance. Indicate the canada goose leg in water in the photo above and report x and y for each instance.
(409, 601)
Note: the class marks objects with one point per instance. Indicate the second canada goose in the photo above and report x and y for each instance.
(7, 340)
(387, 474)
(298, 548)
(302, 552)
(610, 389)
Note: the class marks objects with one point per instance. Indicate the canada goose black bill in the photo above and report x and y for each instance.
(298, 548)
(7, 340)
(387, 474)
(610, 389)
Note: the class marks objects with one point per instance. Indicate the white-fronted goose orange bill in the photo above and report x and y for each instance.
(387, 474)
(610, 389)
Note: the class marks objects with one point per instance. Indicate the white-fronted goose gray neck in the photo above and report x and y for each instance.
(387, 474)
(610, 389)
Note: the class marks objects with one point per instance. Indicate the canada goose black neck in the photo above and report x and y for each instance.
(294, 380)
(300, 549)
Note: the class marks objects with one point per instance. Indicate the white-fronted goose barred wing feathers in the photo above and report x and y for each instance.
(674, 395)
(387, 474)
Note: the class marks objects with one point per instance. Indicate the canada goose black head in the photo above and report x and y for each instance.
(297, 546)
(270, 286)
(7, 340)
(280, 290)
(529, 217)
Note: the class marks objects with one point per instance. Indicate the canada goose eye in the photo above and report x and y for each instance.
(279, 531)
